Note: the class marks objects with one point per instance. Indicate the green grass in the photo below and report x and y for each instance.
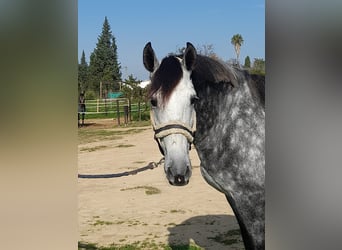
(177, 211)
(230, 238)
(101, 222)
(93, 135)
(145, 116)
(124, 146)
(148, 189)
(138, 246)
(139, 162)
(88, 135)
(92, 149)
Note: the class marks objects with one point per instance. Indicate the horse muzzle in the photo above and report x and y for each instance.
(174, 140)
(178, 171)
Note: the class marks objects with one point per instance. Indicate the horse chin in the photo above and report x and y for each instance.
(178, 172)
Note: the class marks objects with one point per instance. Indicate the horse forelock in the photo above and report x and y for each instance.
(166, 77)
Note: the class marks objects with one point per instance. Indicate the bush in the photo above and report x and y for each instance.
(90, 95)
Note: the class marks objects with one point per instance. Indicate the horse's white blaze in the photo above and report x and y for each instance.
(177, 109)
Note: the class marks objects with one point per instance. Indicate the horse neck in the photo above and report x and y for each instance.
(230, 144)
(221, 104)
(230, 122)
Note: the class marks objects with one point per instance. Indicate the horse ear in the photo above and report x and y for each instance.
(149, 58)
(190, 55)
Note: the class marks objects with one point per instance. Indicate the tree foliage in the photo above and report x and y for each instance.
(237, 42)
(83, 74)
(247, 62)
(204, 50)
(131, 88)
(207, 50)
(258, 66)
(104, 66)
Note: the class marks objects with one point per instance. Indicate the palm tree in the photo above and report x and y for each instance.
(237, 41)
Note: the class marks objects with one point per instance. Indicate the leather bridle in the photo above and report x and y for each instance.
(173, 127)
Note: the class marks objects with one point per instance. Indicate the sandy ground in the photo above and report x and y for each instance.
(118, 210)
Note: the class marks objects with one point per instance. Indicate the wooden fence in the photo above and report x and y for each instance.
(115, 108)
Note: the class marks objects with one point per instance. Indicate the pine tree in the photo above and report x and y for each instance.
(104, 66)
(247, 62)
(83, 74)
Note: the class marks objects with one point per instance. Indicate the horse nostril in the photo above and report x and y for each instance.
(179, 180)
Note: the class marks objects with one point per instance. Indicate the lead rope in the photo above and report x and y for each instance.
(151, 165)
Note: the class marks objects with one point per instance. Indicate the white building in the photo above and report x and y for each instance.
(143, 84)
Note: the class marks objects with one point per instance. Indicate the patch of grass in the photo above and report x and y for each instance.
(152, 190)
(230, 238)
(88, 135)
(210, 223)
(146, 244)
(235, 232)
(93, 148)
(93, 135)
(101, 222)
(139, 162)
(119, 222)
(140, 123)
(184, 224)
(130, 223)
(177, 211)
(183, 247)
(125, 146)
(148, 189)
(128, 131)
(87, 246)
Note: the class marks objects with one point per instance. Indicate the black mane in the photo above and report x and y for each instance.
(257, 87)
(206, 71)
(212, 71)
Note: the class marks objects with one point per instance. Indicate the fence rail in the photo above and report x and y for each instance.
(115, 108)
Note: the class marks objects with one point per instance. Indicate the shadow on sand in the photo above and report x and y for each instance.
(86, 124)
(211, 232)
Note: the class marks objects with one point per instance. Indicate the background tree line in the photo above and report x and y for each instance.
(257, 67)
(104, 70)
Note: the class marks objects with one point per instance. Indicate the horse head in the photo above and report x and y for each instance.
(172, 97)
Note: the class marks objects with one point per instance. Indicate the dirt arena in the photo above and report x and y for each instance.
(144, 209)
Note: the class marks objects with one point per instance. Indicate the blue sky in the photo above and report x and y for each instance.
(169, 25)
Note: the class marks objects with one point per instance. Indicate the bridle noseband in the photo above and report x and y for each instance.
(174, 127)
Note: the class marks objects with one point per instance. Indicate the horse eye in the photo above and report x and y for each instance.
(154, 102)
(193, 99)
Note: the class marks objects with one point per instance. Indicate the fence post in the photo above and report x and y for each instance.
(130, 109)
(126, 114)
(118, 111)
(106, 109)
(139, 112)
(97, 105)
